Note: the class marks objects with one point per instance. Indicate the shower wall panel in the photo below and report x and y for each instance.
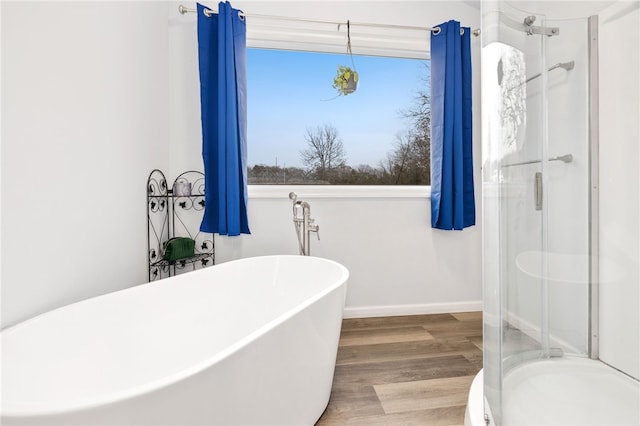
(620, 187)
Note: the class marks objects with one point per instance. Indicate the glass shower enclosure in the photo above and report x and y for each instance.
(540, 223)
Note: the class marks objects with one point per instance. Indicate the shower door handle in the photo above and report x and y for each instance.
(537, 190)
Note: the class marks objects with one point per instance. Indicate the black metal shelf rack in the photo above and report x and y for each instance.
(176, 215)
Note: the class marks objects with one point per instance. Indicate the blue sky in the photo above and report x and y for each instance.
(289, 92)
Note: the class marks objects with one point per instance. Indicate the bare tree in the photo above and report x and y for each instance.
(420, 112)
(408, 162)
(325, 151)
(414, 149)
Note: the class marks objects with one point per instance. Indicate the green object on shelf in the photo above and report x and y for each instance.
(178, 248)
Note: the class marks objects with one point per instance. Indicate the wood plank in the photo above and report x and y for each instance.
(404, 370)
(424, 394)
(446, 416)
(370, 336)
(476, 340)
(475, 359)
(397, 321)
(468, 316)
(332, 418)
(353, 400)
(461, 328)
(403, 350)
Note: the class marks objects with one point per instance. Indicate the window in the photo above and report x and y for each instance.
(301, 131)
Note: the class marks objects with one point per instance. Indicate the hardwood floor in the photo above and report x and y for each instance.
(408, 370)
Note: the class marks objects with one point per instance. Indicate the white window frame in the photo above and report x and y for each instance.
(340, 191)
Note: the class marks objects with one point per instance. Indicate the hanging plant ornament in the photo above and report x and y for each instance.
(346, 79)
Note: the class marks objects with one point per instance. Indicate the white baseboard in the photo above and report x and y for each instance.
(397, 310)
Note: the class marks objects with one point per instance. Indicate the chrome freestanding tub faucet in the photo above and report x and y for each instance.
(304, 224)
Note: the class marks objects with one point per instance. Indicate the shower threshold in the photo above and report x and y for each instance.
(563, 391)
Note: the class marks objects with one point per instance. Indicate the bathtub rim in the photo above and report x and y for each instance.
(137, 391)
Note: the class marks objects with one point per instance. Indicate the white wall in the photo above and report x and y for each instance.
(84, 121)
(398, 264)
(619, 187)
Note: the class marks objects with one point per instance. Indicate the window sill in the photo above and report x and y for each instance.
(340, 191)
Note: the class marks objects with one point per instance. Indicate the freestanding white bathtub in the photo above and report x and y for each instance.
(248, 342)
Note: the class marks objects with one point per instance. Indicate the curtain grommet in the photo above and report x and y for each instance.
(436, 30)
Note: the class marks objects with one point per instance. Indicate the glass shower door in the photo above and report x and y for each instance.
(514, 178)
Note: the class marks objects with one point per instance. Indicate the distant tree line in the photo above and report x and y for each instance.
(325, 161)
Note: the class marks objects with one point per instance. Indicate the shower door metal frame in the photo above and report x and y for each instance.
(594, 191)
